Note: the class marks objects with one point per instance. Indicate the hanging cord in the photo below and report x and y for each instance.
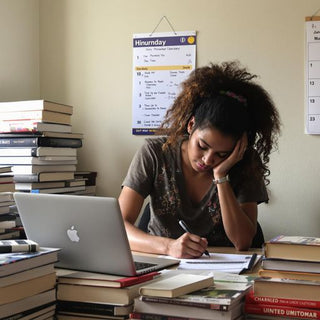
(163, 17)
(314, 14)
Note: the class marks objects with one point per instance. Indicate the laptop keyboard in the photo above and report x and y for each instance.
(143, 265)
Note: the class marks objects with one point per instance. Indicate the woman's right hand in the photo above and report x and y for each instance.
(187, 246)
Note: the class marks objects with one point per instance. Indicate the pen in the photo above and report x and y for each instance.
(186, 229)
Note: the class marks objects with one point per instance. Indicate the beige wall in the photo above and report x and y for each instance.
(19, 49)
(86, 61)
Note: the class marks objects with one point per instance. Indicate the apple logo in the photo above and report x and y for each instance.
(73, 234)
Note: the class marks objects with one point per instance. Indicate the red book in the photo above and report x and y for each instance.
(101, 280)
(308, 304)
(282, 311)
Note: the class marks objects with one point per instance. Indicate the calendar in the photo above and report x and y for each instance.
(161, 61)
(312, 68)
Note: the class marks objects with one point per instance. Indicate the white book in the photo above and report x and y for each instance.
(30, 169)
(37, 152)
(45, 160)
(29, 126)
(30, 105)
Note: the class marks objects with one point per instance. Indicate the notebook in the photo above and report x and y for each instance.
(89, 230)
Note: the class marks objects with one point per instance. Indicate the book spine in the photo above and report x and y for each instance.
(282, 311)
(252, 299)
(27, 178)
(8, 246)
(148, 316)
(211, 306)
(18, 142)
(40, 142)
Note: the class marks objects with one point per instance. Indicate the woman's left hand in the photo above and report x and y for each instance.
(237, 154)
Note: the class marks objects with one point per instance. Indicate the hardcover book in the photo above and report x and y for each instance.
(38, 152)
(177, 285)
(293, 248)
(282, 311)
(102, 280)
(30, 105)
(308, 304)
(11, 263)
(312, 276)
(24, 142)
(34, 301)
(18, 245)
(44, 176)
(287, 288)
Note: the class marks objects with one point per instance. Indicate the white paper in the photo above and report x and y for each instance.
(161, 61)
(222, 262)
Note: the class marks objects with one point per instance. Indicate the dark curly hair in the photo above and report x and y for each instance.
(224, 96)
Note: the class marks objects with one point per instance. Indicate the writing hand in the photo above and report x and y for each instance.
(187, 246)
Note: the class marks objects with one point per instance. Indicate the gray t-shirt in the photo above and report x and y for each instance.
(158, 174)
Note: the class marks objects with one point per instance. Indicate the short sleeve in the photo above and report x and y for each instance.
(142, 170)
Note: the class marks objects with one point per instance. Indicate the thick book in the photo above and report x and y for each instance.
(45, 312)
(186, 312)
(95, 294)
(5, 169)
(7, 224)
(30, 105)
(48, 134)
(11, 263)
(96, 309)
(293, 248)
(30, 126)
(282, 311)
(41, 115)
(289, 274)
(27, 288)
(44, 177)
(290, 265)
(308, 304)
(38, 152)
(26, 186)
(177, 285)
(59, 190)
(10, 234)
(7, 187)
(31, 169)
(36, 141)
(26, 275)
(287, 288)
(28, 303)
(18, 245)
(42, 160)
(99, 279)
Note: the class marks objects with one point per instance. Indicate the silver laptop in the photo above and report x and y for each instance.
(89, 230)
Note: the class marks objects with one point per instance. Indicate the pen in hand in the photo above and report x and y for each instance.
(186, 229)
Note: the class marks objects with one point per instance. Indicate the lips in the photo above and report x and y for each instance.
(202, 167)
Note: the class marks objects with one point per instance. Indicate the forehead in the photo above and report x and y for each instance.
(215, 138)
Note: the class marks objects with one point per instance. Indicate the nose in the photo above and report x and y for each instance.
(208, 159)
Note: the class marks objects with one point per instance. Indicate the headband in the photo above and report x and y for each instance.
(233, 95)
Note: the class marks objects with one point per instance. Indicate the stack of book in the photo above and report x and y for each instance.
(87, 295)
(289, 282)
(36, 139)
(8, 219)
(192, 296)
(27, 284)
(90, 182)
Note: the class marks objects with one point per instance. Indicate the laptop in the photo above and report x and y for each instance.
(89, 230)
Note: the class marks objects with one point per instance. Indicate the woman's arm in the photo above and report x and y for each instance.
(239, 220)
(187, 246)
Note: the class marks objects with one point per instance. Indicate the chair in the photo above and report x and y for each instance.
(257, 241)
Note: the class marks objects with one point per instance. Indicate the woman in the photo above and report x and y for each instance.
(209, 171)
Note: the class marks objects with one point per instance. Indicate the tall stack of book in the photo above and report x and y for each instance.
(222, 300)
(36, 139)
(8, 219)
(27, 284)
(289, 282)
(87, 295)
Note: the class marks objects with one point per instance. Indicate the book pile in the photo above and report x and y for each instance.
(27, 284)
(87, 295)
(289, 282)
(8, 218)
(36, 139)
(192, 296)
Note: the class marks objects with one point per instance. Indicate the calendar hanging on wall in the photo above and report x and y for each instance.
(312, 71)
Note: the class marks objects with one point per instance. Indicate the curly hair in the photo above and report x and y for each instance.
(248, 108)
